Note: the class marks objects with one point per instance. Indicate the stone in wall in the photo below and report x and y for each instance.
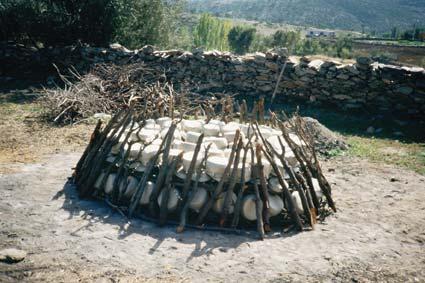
(364, 84)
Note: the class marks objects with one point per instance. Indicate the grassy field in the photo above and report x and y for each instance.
(385, 151)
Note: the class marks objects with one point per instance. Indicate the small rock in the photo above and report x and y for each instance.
(12, 255)
(364, 61)
(393, 179)
(102, 116)
(223, 250)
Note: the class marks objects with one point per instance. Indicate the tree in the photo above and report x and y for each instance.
(133, 23)
(286, 39)
(141, 22)
(57, 22)
(211, 33)
(344, 46)
(240, 38)
(394, 33)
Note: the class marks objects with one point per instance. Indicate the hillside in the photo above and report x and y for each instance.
(374, 15)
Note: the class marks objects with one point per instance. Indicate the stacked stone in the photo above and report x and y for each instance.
(363, 84)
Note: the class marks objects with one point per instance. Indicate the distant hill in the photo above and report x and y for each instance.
(374, 15)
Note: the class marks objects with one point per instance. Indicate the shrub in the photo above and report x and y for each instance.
(241, 38)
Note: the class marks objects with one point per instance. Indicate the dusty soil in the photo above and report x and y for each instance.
(377, 235)
(25, 138)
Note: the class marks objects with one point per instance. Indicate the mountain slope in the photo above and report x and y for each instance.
(377, 15)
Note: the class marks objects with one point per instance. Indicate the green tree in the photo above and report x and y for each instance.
(57, 22)
(141, 22)
(344, 46)
(132, 23)
(240, 38)
(286, 39)
(261, 43)
(394, 33)
(211, 33)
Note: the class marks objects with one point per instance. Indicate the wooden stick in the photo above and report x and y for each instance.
(219, 189)
(264, 189)
(192, 193)
(163, 209)
(243, 112)
(261, 110)
(243, 186)
(294, 180)
(232, 182)
(87, 188)
(163, 170)
(116, 194)
(188, 179)
(93, 139)
(313, 213)
(286, 194)
(302, 161)
(141, 186)
(314, 171)
(290, 172)
(258, 201)
(88, 161)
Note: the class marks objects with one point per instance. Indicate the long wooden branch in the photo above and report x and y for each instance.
(219, 189)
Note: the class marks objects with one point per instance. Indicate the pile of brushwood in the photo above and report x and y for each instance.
(140, 175)
(109, 87)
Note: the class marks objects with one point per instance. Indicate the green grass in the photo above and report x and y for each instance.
(385, 151)
(406, 150)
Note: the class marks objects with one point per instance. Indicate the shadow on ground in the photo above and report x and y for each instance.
(408, 129)
(97, 211)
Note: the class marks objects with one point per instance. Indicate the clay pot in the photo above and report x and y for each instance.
(148, 153)
(187, 159)
(192, 125)
(173, 199)
(211, 130)
(164, 122)
(218, 204)
(199, 199)
(144, 200)
(109, 186)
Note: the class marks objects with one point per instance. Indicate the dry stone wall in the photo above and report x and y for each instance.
(362, 85)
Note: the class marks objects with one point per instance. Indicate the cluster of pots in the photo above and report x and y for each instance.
(144, 142)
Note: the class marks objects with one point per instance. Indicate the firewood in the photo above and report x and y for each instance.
(98, 161)
(264, 189)
(141, 186)
(219, 189)
(231, 186)
(258, 202)
(192, 193)
(163, 209)
(163, 170)
(93, 140)
(189, 174)
(243, 186)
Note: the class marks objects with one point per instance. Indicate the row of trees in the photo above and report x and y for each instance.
(415, 34)
(213, 33)
(99, 22)
(135, 23)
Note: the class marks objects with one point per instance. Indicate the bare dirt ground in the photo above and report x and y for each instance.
(377, 235)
